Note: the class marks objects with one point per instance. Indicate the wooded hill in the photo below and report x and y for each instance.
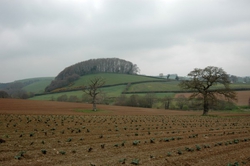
(92, 66)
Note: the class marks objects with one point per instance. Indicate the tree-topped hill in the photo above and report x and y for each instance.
(102, 65)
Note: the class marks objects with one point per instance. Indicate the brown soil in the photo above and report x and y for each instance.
(108, 137)
(17, 106)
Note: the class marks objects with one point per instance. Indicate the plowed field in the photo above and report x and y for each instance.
(53, 133)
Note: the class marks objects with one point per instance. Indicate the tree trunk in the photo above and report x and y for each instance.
(94, 104)
(205, 106)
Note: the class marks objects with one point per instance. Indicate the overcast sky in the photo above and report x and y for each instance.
(40, 38)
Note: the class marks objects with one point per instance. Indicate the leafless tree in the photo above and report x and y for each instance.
(93, 89)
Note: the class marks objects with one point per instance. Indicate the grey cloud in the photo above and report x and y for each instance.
(140, 31)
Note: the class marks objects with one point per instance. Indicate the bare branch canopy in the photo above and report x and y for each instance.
(210, 84)
(93, 89)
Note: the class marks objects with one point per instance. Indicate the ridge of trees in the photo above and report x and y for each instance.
(101, 65)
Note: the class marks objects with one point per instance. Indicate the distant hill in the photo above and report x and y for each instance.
(31, 85)
(38, 85)
(92, 66)
(111, 79)
(116, 84)
(124, 84)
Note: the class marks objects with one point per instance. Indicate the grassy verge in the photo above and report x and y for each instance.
(91, 111)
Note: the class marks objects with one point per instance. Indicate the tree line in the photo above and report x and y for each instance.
(150, 100)
(92, 66)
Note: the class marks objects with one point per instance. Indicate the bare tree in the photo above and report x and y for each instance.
(203, 82)
(93, 89)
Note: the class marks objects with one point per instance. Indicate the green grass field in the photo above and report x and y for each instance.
(155, 86)
(115, 91)
(38, 86)
(113, 78)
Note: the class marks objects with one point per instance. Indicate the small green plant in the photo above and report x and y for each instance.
(198, 147)
(69, 140)
(90, 149)
(122, 161)
(136, 142)
(179, 152)
(206, 146)
(179, 138)
(135, 161)
(20, 155)
(62, 152)
(169, 154)
(166, 139)
(152, 140)
(233, 164)
(17, 157)
(92, 164)
(189, 149)
(44, 151)
(236, 141)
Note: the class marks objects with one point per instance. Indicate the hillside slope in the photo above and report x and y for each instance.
(31, 85)
(92, 66)
(39, 85)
